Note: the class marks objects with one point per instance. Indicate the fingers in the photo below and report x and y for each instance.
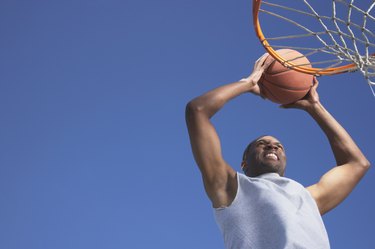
(315, 82)
(313, 90)
(267, 62)
(258, 70)
(263, 58)
(260, 62)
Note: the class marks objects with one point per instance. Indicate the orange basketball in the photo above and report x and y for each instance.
(283, 85)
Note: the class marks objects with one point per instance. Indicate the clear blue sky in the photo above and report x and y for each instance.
(94, 149)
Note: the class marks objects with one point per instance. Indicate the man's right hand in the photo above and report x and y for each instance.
(260, 66)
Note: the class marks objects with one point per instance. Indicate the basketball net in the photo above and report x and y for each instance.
(340, 39)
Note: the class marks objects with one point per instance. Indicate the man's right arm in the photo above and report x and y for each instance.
(219, 178)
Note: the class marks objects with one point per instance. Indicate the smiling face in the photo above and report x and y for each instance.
(264, 155)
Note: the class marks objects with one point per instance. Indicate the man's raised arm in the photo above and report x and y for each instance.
(336, 184)
(219, 178)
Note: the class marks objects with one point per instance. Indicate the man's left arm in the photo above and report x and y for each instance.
(335, 185)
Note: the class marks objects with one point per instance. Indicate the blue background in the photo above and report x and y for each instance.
(94, 148)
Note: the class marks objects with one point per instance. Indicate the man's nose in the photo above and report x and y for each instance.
(271, 146)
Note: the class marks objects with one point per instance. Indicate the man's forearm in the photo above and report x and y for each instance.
(344, 148)
(212, 101)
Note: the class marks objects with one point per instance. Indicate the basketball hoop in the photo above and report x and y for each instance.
(336, 38)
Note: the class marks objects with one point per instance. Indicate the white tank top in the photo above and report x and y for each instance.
(271, 212)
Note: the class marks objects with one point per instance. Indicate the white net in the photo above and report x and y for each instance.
(330, 35)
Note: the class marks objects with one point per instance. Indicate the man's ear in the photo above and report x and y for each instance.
(244, 166)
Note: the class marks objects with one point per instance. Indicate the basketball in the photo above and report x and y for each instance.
(283, 85)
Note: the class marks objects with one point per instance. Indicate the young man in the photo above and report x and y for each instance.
(262, 209)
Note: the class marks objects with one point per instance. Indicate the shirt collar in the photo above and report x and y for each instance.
(269, 175)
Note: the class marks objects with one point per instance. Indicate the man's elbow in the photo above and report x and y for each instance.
(192, 109)
(364, 163)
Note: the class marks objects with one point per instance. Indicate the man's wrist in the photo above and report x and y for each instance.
(314, 108)
(247, 82)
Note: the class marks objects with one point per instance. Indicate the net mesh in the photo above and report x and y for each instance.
(329, 35)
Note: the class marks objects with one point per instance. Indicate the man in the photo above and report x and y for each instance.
(262, 209)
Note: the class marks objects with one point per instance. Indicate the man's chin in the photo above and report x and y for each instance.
(267, 166)
(271, 168)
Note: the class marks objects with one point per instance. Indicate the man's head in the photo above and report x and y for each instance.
(264, 155)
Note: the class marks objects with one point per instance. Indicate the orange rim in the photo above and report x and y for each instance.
(274, 54)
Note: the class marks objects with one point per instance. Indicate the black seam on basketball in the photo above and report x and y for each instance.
(286, 88)
(269, 91)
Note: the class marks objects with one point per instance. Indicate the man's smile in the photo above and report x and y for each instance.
(271, 155)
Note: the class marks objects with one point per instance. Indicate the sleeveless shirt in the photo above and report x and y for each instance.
(271, 212)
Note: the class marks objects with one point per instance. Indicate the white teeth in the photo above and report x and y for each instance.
(271, 155)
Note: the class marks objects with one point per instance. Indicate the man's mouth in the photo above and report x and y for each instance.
(272, 156)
